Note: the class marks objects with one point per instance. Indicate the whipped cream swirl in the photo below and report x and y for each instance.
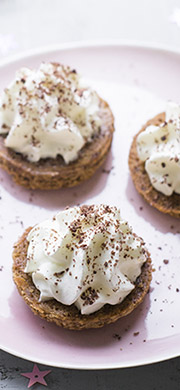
(87, 256)
(159, 148)
(48, 112)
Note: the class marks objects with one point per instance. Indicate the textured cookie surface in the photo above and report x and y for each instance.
(54, 173)
(69, 316)
(166, 204)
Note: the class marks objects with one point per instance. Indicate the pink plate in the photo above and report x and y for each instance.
(137, 82)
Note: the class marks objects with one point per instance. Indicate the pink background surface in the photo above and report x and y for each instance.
(137, 83)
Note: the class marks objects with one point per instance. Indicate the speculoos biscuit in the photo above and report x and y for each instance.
(166, 204)
(69, 316)
(49, 173)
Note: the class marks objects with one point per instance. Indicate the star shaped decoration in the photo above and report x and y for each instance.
(36, 376)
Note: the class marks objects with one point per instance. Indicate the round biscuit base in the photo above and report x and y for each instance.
(166, 204)
(69, 316)
(49, 173)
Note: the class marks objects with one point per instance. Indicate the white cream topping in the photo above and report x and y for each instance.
(87, 256)
(159, 148)
(48, 112)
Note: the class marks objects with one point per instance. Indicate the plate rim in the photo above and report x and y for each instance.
(91, 44)
(84, 44)
(95, 367)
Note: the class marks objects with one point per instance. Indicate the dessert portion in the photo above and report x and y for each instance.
(154, 161)
(55, 130)
(83, 269)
